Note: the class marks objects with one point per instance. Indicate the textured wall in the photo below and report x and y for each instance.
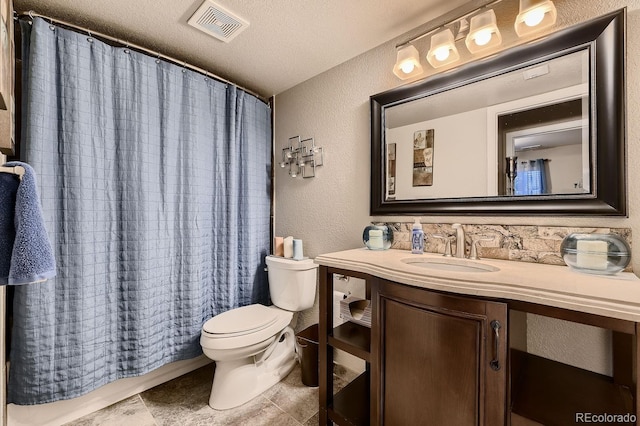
(330, 211)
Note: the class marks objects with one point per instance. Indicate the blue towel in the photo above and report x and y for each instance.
(25, 250)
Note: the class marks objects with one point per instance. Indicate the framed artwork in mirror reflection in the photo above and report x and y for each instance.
(391, 175)
(423, 142)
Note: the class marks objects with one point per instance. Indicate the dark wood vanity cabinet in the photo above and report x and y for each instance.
(441, 358)
(431, 358)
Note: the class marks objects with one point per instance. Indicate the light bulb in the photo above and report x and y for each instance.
(407, 62)
(483, 37)
(441, 53)
(534, 17)
(407, 67)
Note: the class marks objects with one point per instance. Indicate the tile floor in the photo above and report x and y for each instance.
(183, 401)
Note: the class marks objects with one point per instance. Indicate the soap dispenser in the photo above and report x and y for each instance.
(417, 238)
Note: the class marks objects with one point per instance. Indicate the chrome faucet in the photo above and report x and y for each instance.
(460, 244)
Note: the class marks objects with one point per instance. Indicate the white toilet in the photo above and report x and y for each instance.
(253, 346)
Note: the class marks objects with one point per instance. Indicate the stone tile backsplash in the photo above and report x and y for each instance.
(536, 244)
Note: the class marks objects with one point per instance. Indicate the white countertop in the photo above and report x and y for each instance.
(615, 296)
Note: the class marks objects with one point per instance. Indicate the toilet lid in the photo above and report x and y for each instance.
(243, 320)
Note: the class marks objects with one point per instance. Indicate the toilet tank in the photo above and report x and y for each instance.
(292, 283)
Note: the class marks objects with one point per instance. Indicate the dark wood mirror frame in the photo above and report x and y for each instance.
(605, 39)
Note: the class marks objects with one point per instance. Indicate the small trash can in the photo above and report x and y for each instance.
(308, 352)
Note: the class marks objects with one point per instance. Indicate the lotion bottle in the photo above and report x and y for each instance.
(417, 238)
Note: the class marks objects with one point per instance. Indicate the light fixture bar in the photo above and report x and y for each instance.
(446, 24)
(480, 34)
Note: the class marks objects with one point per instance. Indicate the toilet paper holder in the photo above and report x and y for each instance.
(356, 310)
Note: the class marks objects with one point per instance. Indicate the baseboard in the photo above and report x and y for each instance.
(61, 412)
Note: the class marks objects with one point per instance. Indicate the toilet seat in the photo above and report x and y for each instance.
(243, 326)
(241, 321)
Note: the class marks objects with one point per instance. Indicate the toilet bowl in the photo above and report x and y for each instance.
(254, 346)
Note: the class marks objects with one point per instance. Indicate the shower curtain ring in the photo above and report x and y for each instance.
(184, 67)
(30, 14)
(90, 38)
(158, 58)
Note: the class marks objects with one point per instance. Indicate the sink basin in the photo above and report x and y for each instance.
(450, 264)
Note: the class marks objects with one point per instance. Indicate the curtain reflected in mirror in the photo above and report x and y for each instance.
(532, 179)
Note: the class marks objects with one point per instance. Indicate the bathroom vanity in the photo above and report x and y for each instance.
(438, 348)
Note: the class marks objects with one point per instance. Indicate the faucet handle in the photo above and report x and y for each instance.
(447, 243)
(473, 254)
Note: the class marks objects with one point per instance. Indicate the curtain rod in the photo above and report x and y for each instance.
(31, 14)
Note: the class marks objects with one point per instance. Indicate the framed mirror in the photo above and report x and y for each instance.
(536, 129)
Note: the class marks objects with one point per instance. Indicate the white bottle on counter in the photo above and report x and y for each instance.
(417, 238)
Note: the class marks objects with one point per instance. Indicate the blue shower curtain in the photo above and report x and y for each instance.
(532, 178)
(155, 186)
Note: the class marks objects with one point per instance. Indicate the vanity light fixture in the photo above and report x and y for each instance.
(478, 28)
(302, 157)
(407, 62)
(443, 49)
(534, 15)
(484, 33)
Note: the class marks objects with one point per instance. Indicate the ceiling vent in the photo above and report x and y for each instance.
(218, 22)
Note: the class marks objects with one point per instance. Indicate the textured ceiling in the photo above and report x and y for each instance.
(287, 42)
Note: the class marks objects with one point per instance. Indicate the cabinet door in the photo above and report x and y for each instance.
(442, 358)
